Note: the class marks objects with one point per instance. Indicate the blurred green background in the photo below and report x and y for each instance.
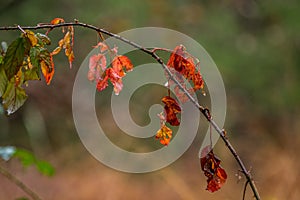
(256, 46)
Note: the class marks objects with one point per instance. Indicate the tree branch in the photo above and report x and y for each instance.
(19, 183)
(204, 111)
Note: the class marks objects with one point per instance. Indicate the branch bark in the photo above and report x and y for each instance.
(152, 53)
(19, 183)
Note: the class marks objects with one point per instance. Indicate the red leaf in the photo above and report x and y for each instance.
(210, 164)
(171, 109)
(102, 83)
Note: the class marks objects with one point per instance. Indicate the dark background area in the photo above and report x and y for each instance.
(256, 46)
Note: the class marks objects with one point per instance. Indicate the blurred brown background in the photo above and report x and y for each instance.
(256, 47)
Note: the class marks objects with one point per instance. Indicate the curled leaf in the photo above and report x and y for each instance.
(56, 51)
(171, 109)
(57, 21)
(47, 67)
(164, 134)
(210, 165)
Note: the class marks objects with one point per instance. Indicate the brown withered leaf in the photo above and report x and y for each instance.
(210, 165)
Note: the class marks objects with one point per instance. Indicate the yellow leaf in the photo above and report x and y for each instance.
(32, 38)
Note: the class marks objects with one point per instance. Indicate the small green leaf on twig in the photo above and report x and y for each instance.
(27, 159)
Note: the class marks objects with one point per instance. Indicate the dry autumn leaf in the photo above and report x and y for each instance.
(121, 62)
(57, 21)
(32, 37)
(171, 109)
(47, 69)
(164, 135)
(210, 165)
(97, 65)
(182, 64)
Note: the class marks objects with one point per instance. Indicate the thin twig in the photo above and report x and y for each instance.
(19, 183)
(152, 53)
(245, 188)
(22, 30)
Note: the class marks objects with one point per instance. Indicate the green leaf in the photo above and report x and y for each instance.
(45, 168)
(7, 152)
(27, 159)
(34, 56)
(3, 81)
(13, 98)
(14, 56)
(32, 74)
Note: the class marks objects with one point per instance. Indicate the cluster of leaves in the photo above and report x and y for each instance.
(100, 72)
(26, 57)
(27, 159)
(23, 60)
(183, 68)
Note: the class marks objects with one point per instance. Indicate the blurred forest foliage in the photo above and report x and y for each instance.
(255, 44)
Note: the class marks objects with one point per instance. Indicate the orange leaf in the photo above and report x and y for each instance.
(210, 164)
(47, 70)
(119, 62)
(171, 109)
(198, 81)
(57, 21)
(183, 63)
(70, 54)
(164, 134)
(56, 51)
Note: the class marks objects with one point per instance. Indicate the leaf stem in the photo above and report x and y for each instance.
(19, 183)
(204, 111)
